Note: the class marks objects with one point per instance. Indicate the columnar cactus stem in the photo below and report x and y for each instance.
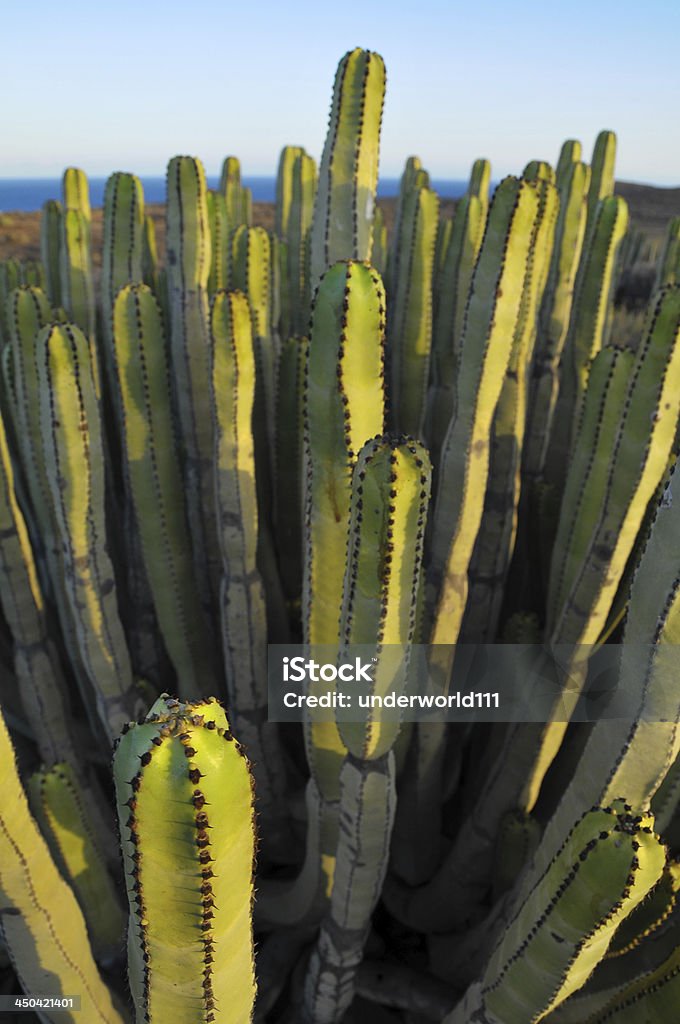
(602, 173)
(188, 267)
(219, 239)
(609, 862)
(299, 225)
(155, 481)
(496, 538)
(592, 299)
(50, 240)
(555, 313)
(367, 805)
(669, 265)
(570, 153)
(35, 660)
(390, 494)
(185, 806)
(379, 245)
(72, 451)
(243, 611)
(38, 905)
(284, 189)
(77, 286)
(410, 326)
(56, 799)
(288, 476)
(348, 176)
(492, 312)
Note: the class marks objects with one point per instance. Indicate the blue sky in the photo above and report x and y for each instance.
(126, 86)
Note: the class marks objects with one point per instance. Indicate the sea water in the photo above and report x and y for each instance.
(30, 193)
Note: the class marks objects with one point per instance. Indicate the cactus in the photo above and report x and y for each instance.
(42, 925)
(50, 240)
(73, 455)
(185, 807)
(668, 271)
(154, 475)
(410, 329)
(609, 862)
(348, 175)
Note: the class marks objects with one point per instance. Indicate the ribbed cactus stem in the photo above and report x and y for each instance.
(390, 493)
(50, 241)
(188, 267)
(76, 282)
(348, 175)
(56, 799)
(219, 240)
(609, 862)
(669, 264)
(410, 326)
(243, 611)
(72, 450)
(185, 806)
(155, 481)
(39, 905)
(288, 476)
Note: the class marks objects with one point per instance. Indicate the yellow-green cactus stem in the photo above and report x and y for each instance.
(50, 241)
(555, 313)
(219, 240)
(284, 189)
(77, 282)
(668, 271)
(480, 179)
(154, 473)
(367, 805)
(304, 180)
(608, 864)
(602, 173)
(390, 493)
(230, 187)
(594, 293)
(492, 310)
(348, 175)
(150, 254)
(570, 153)
(122, 253)
(72, 450)
(36, 663)
(10, 278)
(188, 268)
(76, 193)
(410, 323)
(33, 274)
(496, 538)
(56, 801)
(288, 476)
(185, 806)
(379, 245)
(42, 925)
(243, 609)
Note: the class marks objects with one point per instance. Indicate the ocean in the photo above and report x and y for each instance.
(30, 193)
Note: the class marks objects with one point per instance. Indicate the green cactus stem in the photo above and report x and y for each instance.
(156, 489)
(555, 312)
(56, 801)
(367, 805)
(73, 455)
(410, 325)
(39, 906)
(348, 175)
(50, 241)
(344, 405)
(390, 493)
(185, 806)
(608, 864)
(496, 538)
(288, 477)
(668, 271)
(243, 610)
(592, 299)
(219, 240)
(77, 282)
(188, 268)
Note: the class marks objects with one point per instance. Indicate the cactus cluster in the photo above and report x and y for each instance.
(335, 435)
